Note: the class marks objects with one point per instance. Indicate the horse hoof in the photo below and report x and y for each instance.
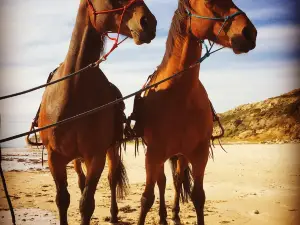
(176, 221)
(113, 220)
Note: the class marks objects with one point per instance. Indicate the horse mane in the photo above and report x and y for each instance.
(82, 19)
(103, 45)
(177, 30)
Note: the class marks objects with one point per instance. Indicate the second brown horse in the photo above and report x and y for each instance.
(176, 116)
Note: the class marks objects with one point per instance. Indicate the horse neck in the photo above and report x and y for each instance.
(184, 52)
(86, 43)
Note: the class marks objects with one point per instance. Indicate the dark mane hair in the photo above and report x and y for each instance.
(177, 29)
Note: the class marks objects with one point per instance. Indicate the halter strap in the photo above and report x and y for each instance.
(224, 19)
(92, 9)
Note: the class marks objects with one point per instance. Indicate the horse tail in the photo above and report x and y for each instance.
(120, 176)
(173, 163)
(187, 184)
(186, 181)
(122, 180)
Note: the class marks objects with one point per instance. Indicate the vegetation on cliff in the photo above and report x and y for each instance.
(274, 120)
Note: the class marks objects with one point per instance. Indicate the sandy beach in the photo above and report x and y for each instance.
(251, 184)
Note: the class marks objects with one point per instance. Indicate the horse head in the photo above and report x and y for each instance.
(221, 21)
(130, 18)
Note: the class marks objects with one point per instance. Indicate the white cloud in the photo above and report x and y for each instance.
(268, 13)
(280, 38)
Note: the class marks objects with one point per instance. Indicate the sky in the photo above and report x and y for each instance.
(35, 37)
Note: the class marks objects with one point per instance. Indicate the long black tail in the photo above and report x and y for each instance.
(122, 181)
(186, 183)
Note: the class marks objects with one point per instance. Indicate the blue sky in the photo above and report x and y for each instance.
(35, 37)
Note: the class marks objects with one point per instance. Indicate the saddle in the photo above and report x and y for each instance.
(138, 129)
(120, 116)
(137, 115)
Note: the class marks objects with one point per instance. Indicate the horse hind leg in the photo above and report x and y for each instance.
(95, 166)
(161, 183)
(81, 177)
(182, 181)
(199, 160)
(57, 166)
(118, 181)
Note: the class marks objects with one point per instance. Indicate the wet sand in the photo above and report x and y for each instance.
(251, 184)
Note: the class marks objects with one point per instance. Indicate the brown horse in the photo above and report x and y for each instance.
(91, 137)
(176, 116)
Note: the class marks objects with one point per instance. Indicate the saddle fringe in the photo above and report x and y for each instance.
(35, 123)
(216, 118)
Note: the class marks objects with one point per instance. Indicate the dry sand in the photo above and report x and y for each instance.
(251, 184)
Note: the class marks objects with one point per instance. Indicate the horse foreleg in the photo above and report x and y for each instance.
(57, 166)
(95, 167)
(161, 182)
(113, 161)
(152, 172)
(117, 179)
(81, 176)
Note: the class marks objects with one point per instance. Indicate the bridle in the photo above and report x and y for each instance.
(206, 55)
(224, 19)
(92, 11)
(209, 52)
(208, 49)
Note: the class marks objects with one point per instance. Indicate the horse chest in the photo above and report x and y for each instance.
(66, 99)
(178, 125)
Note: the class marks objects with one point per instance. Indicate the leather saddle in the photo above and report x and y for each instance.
(137, 115)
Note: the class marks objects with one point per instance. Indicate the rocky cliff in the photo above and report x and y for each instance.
(274, 120)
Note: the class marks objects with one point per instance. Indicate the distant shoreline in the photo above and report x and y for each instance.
(216, 143)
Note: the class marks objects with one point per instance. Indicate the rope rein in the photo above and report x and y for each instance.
(78, 116)
(206, 55)
(147, 87)
(11, 209)
(92, 65)
(89, 112)
(96, 64)
(48, 84)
